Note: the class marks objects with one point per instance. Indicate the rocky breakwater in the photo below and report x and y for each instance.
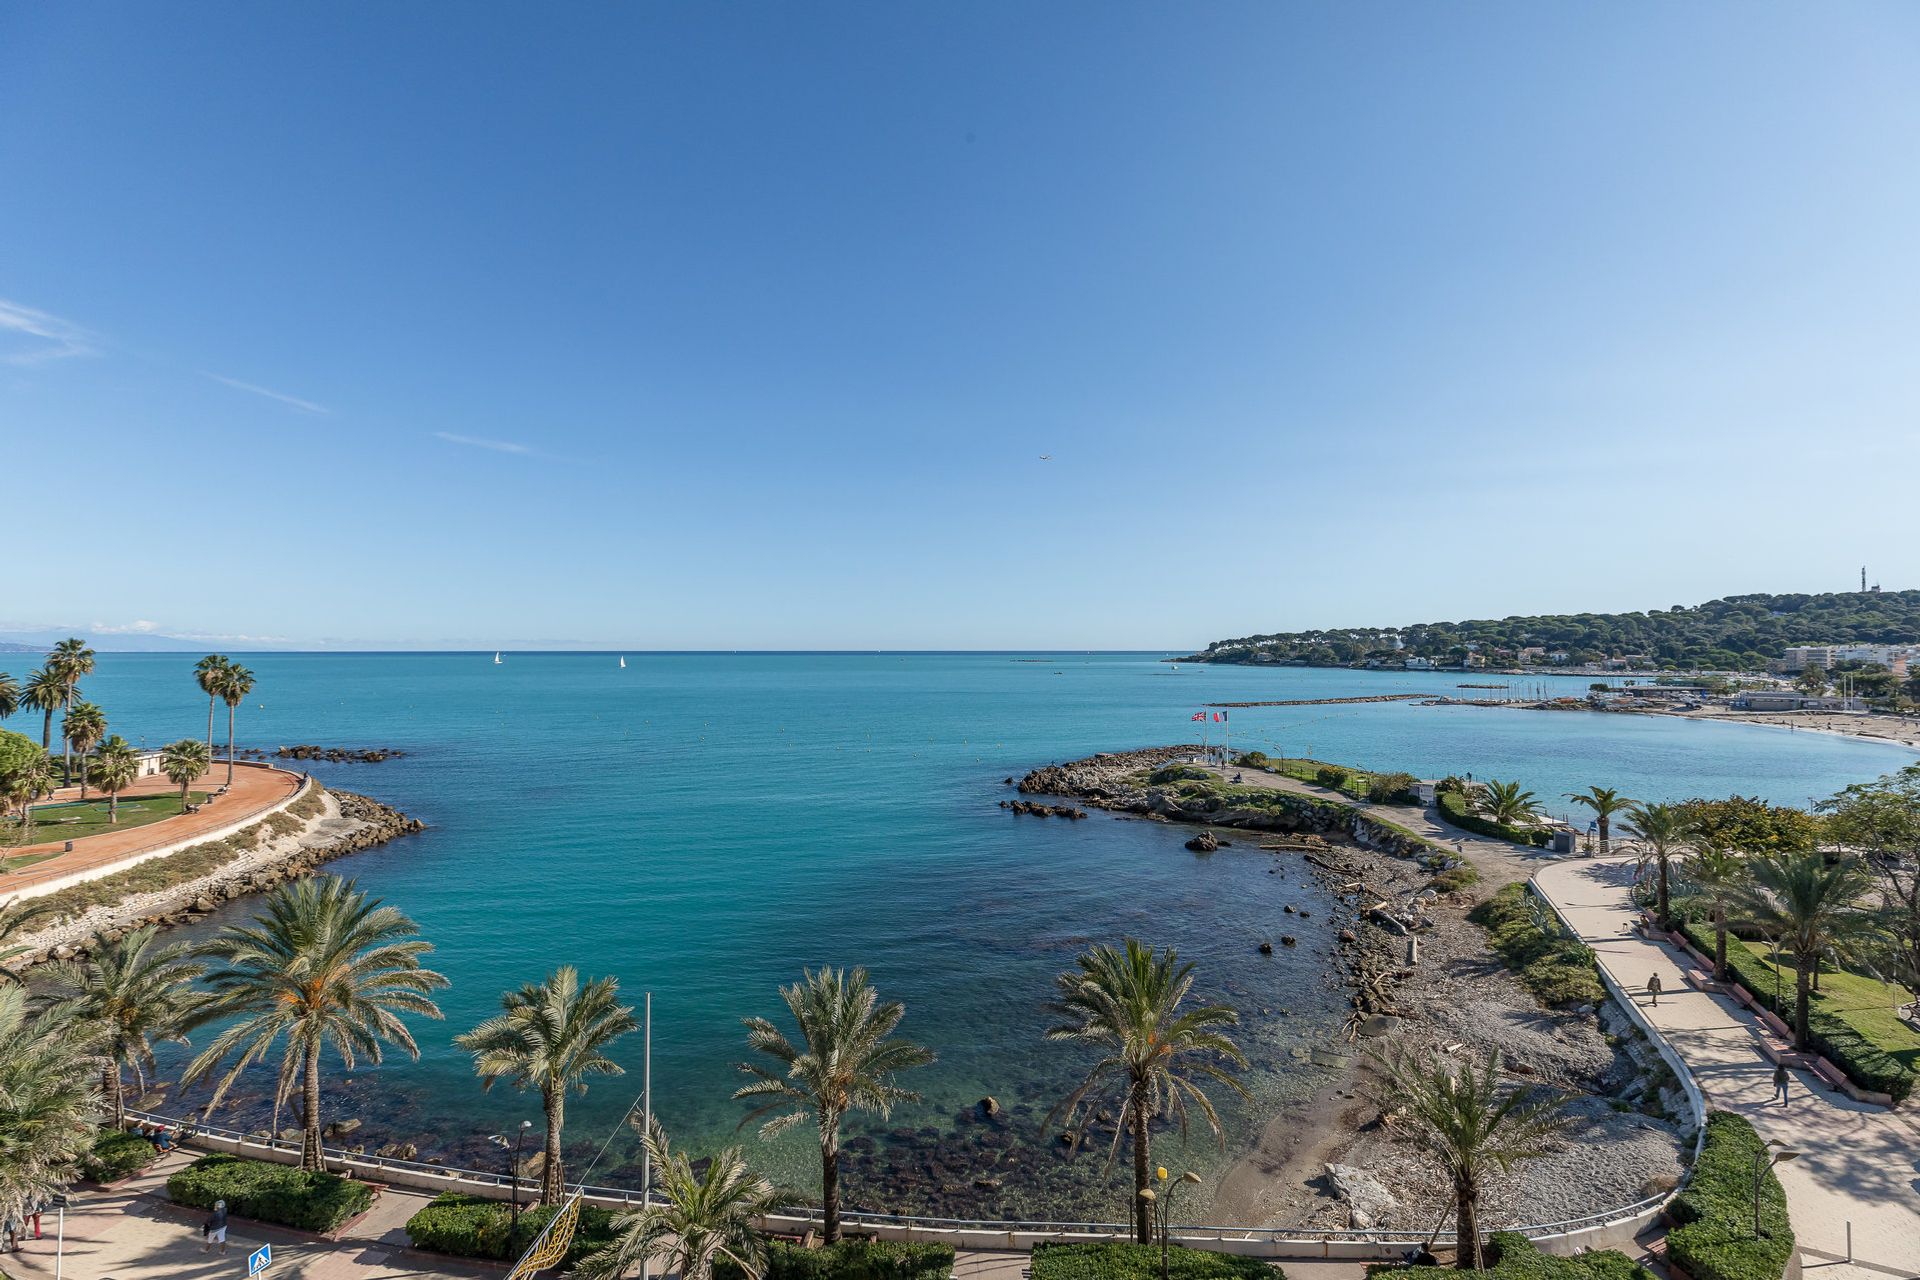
(331, 755)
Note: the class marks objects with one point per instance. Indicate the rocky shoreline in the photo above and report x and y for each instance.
(331, 755)
(344, 823)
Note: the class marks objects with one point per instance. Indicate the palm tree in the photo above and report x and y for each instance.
(1154, 1056)
(69, 661)
(1663, 833)
(1717, 872)
(325, 964)
(1471, 1125)
(47, 1103)
(233, 683)
(1605, 802)
(1506, 802)
(206, 673)
(46, 694)
(116, 766)
(25, 785)
(847, 1061)
(184, 761)
(1814, 908)
(83, 728)
(133, 993)
(9, 695)
(550, 1036)
(706, 1216)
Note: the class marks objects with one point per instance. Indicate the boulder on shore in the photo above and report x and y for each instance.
(1205, 842)
(1368, 1200)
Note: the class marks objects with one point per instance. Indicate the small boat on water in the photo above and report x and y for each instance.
(623, 662)
(496, 657)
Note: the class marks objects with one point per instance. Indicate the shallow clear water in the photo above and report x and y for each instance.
(705, 825)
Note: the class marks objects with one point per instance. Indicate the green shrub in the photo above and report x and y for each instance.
(1516, 1258)
(117, 1154)
(1332, 776)
(1455, 809)
(1455, 878)
(1714, 1239)
(471, 1227)
(1112, 1260)
(266, 1192)
(1559, 970)
(1393, 788)
(850, 1260)
(1179, 773)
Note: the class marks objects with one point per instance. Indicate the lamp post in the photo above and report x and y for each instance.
(1161, 1202)
(1773, 1153)
(519, 1137)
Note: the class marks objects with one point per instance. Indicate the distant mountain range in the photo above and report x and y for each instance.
(1736, 633)
(124, 642)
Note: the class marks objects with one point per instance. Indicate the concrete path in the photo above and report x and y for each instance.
(1859, 1164)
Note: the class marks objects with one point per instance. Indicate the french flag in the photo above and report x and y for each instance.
(1219, 717)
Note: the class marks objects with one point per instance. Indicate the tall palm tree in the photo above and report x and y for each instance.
(1717, 872)
(116, 766)
(9, 695)
(184, 761)
(324, 964)
(47, 1101)
(1471, 1125)
(1663, 834)
(1506, 802)
(1155, 1057)
(206, 673)
(83, 728)
(551, 1036)
(46, 694)
(1605, 802)
(846, 1061)
(70, 660)
(1815, 909)
(233, 683)
(134, 994)
(704, 1217)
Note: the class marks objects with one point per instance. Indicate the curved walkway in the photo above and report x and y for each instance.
(1859, 1163)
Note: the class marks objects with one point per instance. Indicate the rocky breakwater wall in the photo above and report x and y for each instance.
(275, 850)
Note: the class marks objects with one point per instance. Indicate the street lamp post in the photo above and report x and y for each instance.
(1161, 1203)
(519, 1137)
(1773, 1153)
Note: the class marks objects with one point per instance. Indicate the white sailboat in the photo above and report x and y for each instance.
(496, 657)
(623, 662)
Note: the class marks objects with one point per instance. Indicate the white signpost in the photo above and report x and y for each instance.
(258, 1260)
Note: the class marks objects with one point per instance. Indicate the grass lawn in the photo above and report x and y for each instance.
(1865, 1004)
(76, 821)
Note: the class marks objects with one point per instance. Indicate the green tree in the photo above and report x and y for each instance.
(1812, 681)
(847, 1060)
(116, 766)
(324, 964)
(1663, 835)
(70, 661)
(22, 770)
(1750, 825)
(47, 1104)
(9, 695)
(1880, 820)
(133, 994)
(184, 761)
(206, 673)
(701, 1218)
(1814, 909)
(551, 1036)
(1506, 802)
(46, 694)
(1155, 1057)
(233, 683)
(83, 729)
(1605, 802)
(1471, 1125)
(1718, 873)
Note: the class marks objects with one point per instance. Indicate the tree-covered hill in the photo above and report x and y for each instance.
(1737, 633)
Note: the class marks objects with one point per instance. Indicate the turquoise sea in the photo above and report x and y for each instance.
(705, 825)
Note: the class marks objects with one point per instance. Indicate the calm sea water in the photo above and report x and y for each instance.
(704, 826)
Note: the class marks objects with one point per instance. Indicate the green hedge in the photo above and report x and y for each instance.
(1714, 1239)
(471, 1227)
(1866, 1063)
(1558, 969)
(117, 1154)
(1516, 1258)
(849, 1260)
(265, 1192)
(1112, 1260)
(1455, 809)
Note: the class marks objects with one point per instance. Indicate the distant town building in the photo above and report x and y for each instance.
(1787, 700)
(1419, 664)
(1801, 656)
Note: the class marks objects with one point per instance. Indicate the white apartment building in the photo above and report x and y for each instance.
(1801, 656)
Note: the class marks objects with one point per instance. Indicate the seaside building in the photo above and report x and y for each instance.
(1801, 656)
(1788, 700)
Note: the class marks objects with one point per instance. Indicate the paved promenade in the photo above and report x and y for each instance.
(1858, 1163)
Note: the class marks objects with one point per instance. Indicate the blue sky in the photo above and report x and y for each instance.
(746, 325)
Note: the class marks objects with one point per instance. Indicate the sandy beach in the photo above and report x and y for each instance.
(1880, 726)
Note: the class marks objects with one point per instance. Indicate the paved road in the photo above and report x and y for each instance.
(1859, 1163)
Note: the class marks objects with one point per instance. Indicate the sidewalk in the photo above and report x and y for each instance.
(1859, 1164)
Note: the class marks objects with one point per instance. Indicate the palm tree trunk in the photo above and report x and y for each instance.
(66, 749)
(1466, 1227)
(1719, 941)
(210, 701)
(115, 1095)
(1800, 1000)
(230, 744)
(1604, 829)
(830, 1192)
(46, 729)
(113, 808)
(1142, 1207)
(553, 1183)
(310, 1156)
(1666, 920)
(83, 774)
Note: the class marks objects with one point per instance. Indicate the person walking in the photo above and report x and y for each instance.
(1653, 989)
(1780, 1077)
(33, 1215)
(215, 1229)
(12, 1234)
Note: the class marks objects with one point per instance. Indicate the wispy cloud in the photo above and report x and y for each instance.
(34, 337)
(141, 627)
(305, 406)
(477, 442)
